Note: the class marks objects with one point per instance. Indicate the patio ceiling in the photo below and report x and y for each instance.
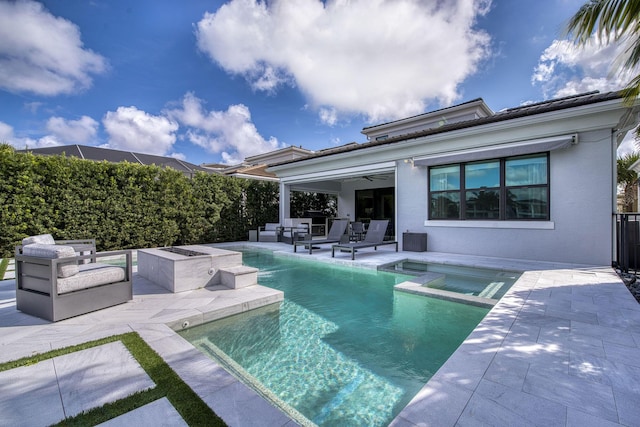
(334, 184)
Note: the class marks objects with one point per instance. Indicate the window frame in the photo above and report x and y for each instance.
(503, 190)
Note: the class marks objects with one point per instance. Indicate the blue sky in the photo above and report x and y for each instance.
(215, 82)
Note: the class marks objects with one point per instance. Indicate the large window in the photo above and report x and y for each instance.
(514, 188)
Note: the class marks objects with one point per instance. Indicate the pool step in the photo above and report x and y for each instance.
(419, 286)
(239, 276)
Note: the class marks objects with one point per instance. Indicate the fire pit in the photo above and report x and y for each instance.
(181, 251)
(184, 268)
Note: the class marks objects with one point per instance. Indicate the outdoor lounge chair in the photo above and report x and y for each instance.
(54, 283)
(336, 234)
(374, 238)
(357, 231)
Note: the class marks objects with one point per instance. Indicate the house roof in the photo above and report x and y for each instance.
(441, 110)
(287, 153)
(473, 109)
(87, 152)
(503, 115)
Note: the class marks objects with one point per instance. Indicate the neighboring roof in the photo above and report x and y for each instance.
(256, 172)
(243, 170)
(116, 156)
(214, 166)
(255, 166)
(508, 114)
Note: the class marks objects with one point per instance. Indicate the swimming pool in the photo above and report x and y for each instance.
(344, 348)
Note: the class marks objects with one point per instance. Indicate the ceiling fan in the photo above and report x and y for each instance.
(366, 177)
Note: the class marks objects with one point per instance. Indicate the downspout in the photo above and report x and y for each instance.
(614, 202)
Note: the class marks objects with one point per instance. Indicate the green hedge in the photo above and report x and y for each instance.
(125, 205)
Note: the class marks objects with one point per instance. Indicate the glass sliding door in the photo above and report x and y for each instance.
(376, 203)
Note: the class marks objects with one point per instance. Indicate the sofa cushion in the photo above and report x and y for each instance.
(45, 239)
(91, 275)
(65, 269)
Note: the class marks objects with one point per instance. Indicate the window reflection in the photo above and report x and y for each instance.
(513, 188)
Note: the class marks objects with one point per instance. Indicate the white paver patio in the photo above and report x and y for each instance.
(562, 347)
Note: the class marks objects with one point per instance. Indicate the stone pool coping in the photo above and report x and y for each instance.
(560, 348)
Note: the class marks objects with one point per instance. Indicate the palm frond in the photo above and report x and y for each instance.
(608, 19)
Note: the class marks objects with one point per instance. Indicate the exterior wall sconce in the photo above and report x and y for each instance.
(409, 161)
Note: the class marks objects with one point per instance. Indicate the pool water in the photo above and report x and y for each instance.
(481, 282)
(344, 348)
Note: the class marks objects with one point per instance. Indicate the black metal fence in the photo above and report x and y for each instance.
(628, 242)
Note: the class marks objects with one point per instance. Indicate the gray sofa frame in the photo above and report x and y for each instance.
(41, 273)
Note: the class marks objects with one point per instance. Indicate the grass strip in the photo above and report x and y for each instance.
(168, 384)
(4, 263)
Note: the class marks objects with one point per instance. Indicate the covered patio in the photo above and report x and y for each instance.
(362, 195)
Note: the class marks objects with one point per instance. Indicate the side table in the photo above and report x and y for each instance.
(414, 242)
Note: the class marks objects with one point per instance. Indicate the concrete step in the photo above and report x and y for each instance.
(238, 277)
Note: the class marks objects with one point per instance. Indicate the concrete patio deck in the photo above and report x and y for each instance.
(562, 347)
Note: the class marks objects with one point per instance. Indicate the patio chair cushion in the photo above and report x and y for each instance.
(45, 239)
(66, 269)
(91, 275)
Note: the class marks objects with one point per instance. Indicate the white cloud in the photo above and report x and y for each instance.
(45, 141)
(7, 136)
(628, 144)
(564, 69)
(6, 132)
(328, 116)
(230, 133)
(78, 131)
(41, 53)
(131, 129)
(33, 107)
(380, 58)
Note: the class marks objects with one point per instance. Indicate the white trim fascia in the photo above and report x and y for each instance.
(530, 225)
(347, 172)
(479, 149)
